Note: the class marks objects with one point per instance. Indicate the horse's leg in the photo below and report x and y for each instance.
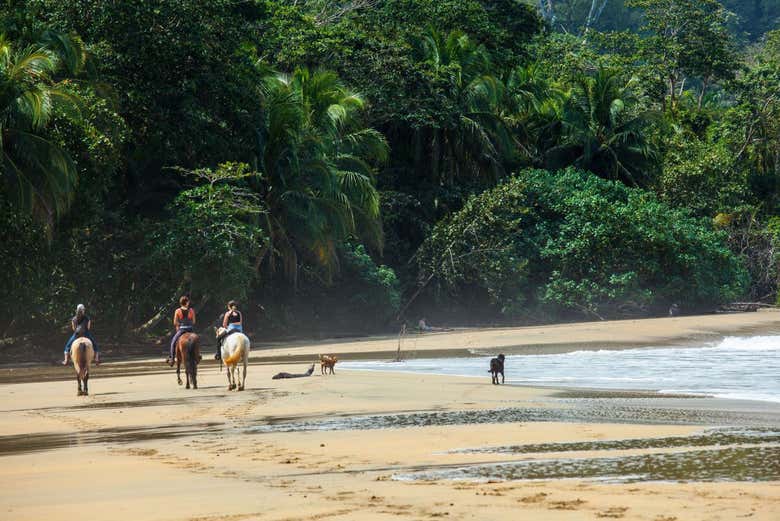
(78, 385)
(187, 372)
(86, 380)
(194, 374)
(178, 371)
(229, 377)
(243, 378)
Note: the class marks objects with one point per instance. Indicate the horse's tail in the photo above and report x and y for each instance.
(238, 353)
(83, 362)
(192, 352)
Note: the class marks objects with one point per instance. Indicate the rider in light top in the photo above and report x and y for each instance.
(183, 321)
(81, 325)
(232, 321)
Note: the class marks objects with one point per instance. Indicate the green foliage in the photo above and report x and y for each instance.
(370, 290)
(750, 19)
(605, 130)
(687, 39)
(364, 124)
(183, 84)
(701, 176)
(404, 227)
(26, 277)
(317, 163)
(571, 241)
(472, 138)
(751, 127)
(38, 175)
(212, 241)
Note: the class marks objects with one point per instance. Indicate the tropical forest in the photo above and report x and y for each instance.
(347, 167)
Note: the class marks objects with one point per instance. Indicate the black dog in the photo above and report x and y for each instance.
(497, 368)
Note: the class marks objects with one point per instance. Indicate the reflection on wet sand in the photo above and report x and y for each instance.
(26, 443)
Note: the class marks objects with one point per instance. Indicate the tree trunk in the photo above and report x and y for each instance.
(704, 84)
(160, 315)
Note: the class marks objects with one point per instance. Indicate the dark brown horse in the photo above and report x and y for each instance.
(188, 354)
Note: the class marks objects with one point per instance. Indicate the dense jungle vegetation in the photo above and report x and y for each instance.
(344, 166)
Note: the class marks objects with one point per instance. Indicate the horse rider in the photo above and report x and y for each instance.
(184, 322)
(232, 322)
(81, 325)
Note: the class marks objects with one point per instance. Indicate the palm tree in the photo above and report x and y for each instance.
(472, 140)
(317, 163)
(533, 110)
(38, 175)
(603, 131)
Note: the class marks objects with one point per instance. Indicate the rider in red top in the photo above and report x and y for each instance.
(183, 321)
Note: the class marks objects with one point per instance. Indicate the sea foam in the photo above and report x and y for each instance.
(740, 367)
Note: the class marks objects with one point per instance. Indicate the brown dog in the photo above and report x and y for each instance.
(327, 362)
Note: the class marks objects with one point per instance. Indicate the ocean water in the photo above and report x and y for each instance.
(743, 368)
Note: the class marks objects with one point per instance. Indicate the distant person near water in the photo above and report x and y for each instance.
(233, 322)
(81, 325)
(423, 326)
(183, 322)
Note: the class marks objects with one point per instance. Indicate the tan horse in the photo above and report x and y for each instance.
(188, 354)
(83, 354)
(235, 349)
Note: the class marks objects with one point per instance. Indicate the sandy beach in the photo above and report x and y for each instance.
(348, 446)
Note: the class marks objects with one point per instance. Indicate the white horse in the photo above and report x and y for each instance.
(235, 349)
(83, 354)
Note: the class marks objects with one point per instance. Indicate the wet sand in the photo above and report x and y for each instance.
(378, 446)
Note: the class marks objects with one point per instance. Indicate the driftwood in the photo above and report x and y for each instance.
(281, 376)
(743, 306)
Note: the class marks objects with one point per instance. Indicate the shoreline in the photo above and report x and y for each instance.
(545, 339)
(530, 340)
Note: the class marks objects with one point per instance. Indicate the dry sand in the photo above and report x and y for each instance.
(107, 456)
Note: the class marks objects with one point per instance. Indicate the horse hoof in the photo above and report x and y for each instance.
(194, 386)
(240, 388)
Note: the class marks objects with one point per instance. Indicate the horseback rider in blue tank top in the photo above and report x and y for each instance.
(232, 321)
(184, 322)
(81, 325)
